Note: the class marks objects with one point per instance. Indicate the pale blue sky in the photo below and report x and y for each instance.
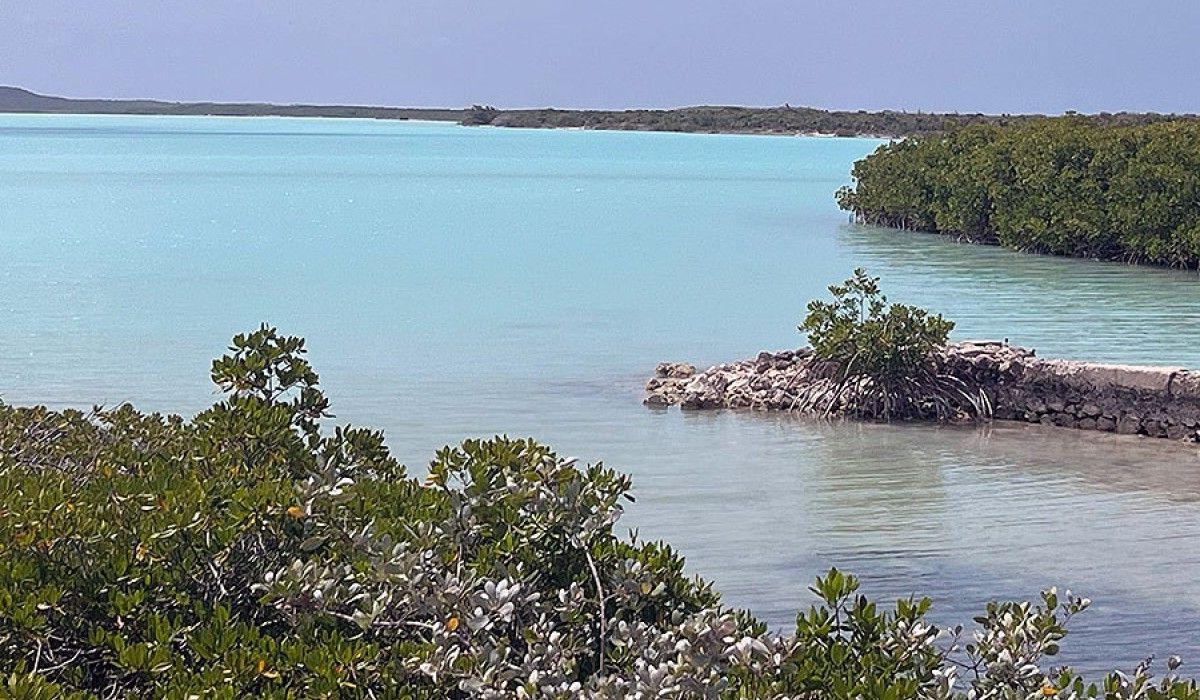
(967, 55)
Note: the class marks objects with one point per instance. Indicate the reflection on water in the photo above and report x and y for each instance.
(459, 282)
(962, 514)
(1063, 307)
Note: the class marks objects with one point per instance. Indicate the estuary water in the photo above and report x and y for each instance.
(456, 282)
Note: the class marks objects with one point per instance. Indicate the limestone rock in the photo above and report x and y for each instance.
(1129, 425)
(1155, 401)
(675, 370)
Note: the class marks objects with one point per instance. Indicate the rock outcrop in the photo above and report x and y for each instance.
(1154, 401)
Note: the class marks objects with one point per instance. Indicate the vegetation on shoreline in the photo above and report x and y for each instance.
(254, 551)
(880, 360)
(1060, 186)
(770, 120)
(701, 119)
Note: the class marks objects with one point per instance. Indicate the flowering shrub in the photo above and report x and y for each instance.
(249, 552)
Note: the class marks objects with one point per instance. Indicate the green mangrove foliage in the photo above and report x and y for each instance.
(882, 360)
(254, 551)
(767, 120)
(1066, 186)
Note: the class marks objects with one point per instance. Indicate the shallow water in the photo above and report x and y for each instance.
(459, 282)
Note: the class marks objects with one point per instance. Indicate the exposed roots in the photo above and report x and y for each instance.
(925, 394)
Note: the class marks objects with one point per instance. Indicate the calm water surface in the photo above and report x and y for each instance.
(459, 282)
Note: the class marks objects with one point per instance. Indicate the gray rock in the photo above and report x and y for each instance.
(1180, 432)
(1186, 384)
(675, 370)
(1064, 420)
(1129, 425)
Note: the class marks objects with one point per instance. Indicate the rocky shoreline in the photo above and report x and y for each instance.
(1161, 402)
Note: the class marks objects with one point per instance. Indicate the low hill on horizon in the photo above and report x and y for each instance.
(15, 99)
(698, 119)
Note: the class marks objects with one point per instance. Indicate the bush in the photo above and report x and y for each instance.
(881, 358)
(1067, 186)
(251, 551)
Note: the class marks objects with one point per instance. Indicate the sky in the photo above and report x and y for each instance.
(932, 55)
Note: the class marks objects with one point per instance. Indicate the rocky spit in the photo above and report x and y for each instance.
(1153, 401)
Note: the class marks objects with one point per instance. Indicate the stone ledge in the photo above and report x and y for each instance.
(1131, 399)
(1094, 375)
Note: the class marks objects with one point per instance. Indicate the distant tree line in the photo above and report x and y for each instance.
(705, 119)
(771, 120)
(1067, 186)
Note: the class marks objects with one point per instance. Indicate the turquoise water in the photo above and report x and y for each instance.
(458, 282)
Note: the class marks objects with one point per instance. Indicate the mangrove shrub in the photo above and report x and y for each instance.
(257, 551)
(1065, 186)
(881, 359)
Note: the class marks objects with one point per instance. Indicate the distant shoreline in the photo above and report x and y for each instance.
(10, 113)
(20, 101)
(765, 121)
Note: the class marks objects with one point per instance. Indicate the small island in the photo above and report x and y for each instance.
(1161, 402)
(878, 361)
